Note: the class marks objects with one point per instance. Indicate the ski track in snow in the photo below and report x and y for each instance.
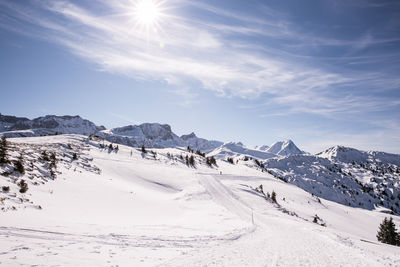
(223, 196)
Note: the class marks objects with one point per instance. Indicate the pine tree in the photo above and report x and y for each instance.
(191, 160)
(19, 166)
(315, 220)
(273, 196)
(53, 162)
(387, 232)
(3, 150)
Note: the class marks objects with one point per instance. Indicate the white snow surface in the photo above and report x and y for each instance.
(128, 208)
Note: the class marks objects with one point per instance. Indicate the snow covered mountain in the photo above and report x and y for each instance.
(284, 148)
(155, 135)
(350, 155)
(7, 122)
(369, 180)
(147, 134)
(201, 144)
(237, 150)
(48, 125)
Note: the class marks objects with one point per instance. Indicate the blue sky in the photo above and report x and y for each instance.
(318, 72)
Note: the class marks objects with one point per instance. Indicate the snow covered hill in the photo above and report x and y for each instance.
(48, 125)
(106, 206)
(369, 180)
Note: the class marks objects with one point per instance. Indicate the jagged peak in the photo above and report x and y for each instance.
(188, 136)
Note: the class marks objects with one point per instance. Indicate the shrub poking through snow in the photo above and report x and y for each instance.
(45, 157)
(259, 164)
(198, 152)
(230, 160)
(144, 149)
(23, 186)
(74, 156)
(211, 161)
(5, 189)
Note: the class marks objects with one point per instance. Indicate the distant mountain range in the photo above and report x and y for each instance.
(153, 135)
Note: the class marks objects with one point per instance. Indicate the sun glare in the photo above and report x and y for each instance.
(147, 12)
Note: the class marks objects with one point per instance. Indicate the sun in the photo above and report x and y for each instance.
(147, 12)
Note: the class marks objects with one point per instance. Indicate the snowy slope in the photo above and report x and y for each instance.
(128, 208)
(47, 125)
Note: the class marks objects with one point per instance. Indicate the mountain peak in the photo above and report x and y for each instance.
(189, 136)
(285, 148)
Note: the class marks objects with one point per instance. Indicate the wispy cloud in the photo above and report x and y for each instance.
(221, 56)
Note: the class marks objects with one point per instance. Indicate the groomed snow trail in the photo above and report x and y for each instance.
(225, 197)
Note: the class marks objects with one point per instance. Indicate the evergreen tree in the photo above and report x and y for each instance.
(19, 166)
(191, 160)
(3, 150)
(144, 149)
(53, 162)
(387, 232)
(273, 196)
